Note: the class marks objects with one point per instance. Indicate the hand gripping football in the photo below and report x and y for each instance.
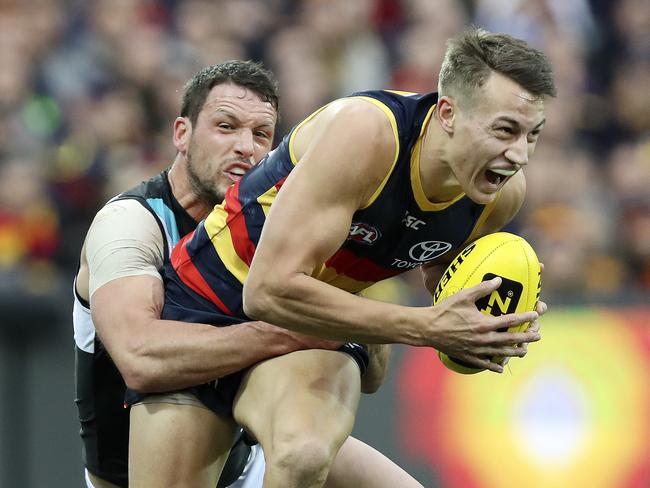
(500, 254)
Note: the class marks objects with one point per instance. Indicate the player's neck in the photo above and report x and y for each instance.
(182, 189)
(438, 180)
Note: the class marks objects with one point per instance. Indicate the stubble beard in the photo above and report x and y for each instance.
(206, 190)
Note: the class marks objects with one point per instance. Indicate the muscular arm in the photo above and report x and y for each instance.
(153, 354)
(162, 355)
(333, 178)
(341, 164)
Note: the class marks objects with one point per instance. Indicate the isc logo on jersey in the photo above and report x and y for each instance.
(502, 255)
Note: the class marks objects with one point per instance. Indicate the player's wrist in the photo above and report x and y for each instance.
(411, 326)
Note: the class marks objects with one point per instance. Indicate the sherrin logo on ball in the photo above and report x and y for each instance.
(503, 255)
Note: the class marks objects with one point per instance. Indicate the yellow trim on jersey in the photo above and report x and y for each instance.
(416, 182)
(219, 234)
(332, 277)
(402, 93)
(266, 199)
(393, 123)
(483, 217)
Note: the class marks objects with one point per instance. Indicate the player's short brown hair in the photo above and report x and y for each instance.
(247, 74)
(475, 53)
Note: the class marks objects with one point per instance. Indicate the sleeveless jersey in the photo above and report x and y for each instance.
(397, 230)
(99, 387)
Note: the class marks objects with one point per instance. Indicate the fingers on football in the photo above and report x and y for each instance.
(513, 319)
(483, 289)
(492, 366)
(481, 362)
(509, 351)
(534, 326)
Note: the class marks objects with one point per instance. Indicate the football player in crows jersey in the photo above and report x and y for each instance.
(331, 210)
(226, 125)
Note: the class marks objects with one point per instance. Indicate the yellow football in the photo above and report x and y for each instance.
(501, 254)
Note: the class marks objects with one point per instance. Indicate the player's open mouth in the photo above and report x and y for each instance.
(235, 172)
(497, 176)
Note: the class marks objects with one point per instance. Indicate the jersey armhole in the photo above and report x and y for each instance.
(142, 201)
(393, 123)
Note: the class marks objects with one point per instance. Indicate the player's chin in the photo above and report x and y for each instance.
(483, 191)
(482, 197)
(222, 186)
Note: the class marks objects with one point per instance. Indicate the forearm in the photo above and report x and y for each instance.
(161, 355)
(179, 355)
(310, 306)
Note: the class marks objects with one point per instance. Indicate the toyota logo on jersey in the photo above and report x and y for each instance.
(428, 250)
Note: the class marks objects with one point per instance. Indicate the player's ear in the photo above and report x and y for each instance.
(446, 113)
(182, 133)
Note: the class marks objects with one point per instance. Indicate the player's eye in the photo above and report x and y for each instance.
(532, 137)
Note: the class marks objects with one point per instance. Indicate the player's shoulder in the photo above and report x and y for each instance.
(123, 224)
(357, 111)
(123, 214)
(121, 207)
(356, 108)
(360, 119)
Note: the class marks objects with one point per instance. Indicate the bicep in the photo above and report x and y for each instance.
(123, 251)
(305, 225)
(124, 304)
(337, 173)
(123, 240)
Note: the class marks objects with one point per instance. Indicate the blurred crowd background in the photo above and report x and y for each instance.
(89, 90)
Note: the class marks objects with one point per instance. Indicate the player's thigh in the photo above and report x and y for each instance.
(173, 444)
(314, 391)
(358, 465)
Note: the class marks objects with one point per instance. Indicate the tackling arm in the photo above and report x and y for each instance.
(161, 355)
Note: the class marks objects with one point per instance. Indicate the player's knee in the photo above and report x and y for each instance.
(305, 457)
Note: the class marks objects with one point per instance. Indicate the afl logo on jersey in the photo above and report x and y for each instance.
(428, 250)
(363, 233)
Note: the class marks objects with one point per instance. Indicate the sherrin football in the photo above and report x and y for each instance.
(501, 254)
